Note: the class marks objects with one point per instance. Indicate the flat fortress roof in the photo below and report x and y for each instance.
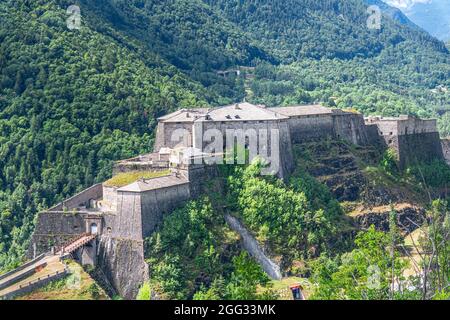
(304, 110)
(153, 184)
(243, 112)
(235, 112)
(247, 112)
(184, 115)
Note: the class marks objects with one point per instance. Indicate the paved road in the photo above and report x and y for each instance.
(53, 265)
(18, 273)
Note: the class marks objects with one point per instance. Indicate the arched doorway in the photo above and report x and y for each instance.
(94, 228)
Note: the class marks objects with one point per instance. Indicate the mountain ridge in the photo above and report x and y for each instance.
(73, 101)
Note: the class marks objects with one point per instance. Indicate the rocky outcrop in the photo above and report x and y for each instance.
(122, 262)
(368, 197)
(333, 164)
(408, 219)
(446, 149)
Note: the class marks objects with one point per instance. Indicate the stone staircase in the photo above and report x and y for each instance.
(75, 244)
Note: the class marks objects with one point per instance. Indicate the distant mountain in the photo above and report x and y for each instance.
(431, 15)
(393, 12)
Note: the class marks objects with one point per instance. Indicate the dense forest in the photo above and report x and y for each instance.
(71, 103)
(393, 70)
(195, 255)
(74, 101)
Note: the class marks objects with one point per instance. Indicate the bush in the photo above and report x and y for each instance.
(435, 174)
(94, 291)
(145, 292)
(389, 162)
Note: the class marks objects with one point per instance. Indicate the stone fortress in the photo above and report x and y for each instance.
(122, 217)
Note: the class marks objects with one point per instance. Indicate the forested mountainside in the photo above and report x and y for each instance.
(433, 16)
(328, 54)
(70, 104)
(73, 101)
(392, 12)
(294, 29)
(187, 33)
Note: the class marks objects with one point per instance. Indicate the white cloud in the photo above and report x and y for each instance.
(405, 4)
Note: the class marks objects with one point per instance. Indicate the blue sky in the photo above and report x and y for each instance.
(431, 15)
(406, 4)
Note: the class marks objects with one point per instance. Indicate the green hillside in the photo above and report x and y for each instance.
(73, 101)
(328, 54)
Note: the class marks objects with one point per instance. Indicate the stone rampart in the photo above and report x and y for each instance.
(81, 199)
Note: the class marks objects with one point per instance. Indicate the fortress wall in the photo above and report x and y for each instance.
(110, 196)
(81, 199)
(372, 135)
(109, 223)
(387, 127)
(55, 229)
(130, 167)
(160, 137)
(128, 223)
(197, 176)
(285, 154)
(121, 246)
(156, 203)
(166, 131)
(421, 147)
(350, 127)
(414, 140)
(310, 127)
(414, 125)
(286, 151)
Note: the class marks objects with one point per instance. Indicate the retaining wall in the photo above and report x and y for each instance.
(80, 199)
(35, 285)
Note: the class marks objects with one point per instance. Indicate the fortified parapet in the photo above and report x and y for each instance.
(312, 122)
(414, 140)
